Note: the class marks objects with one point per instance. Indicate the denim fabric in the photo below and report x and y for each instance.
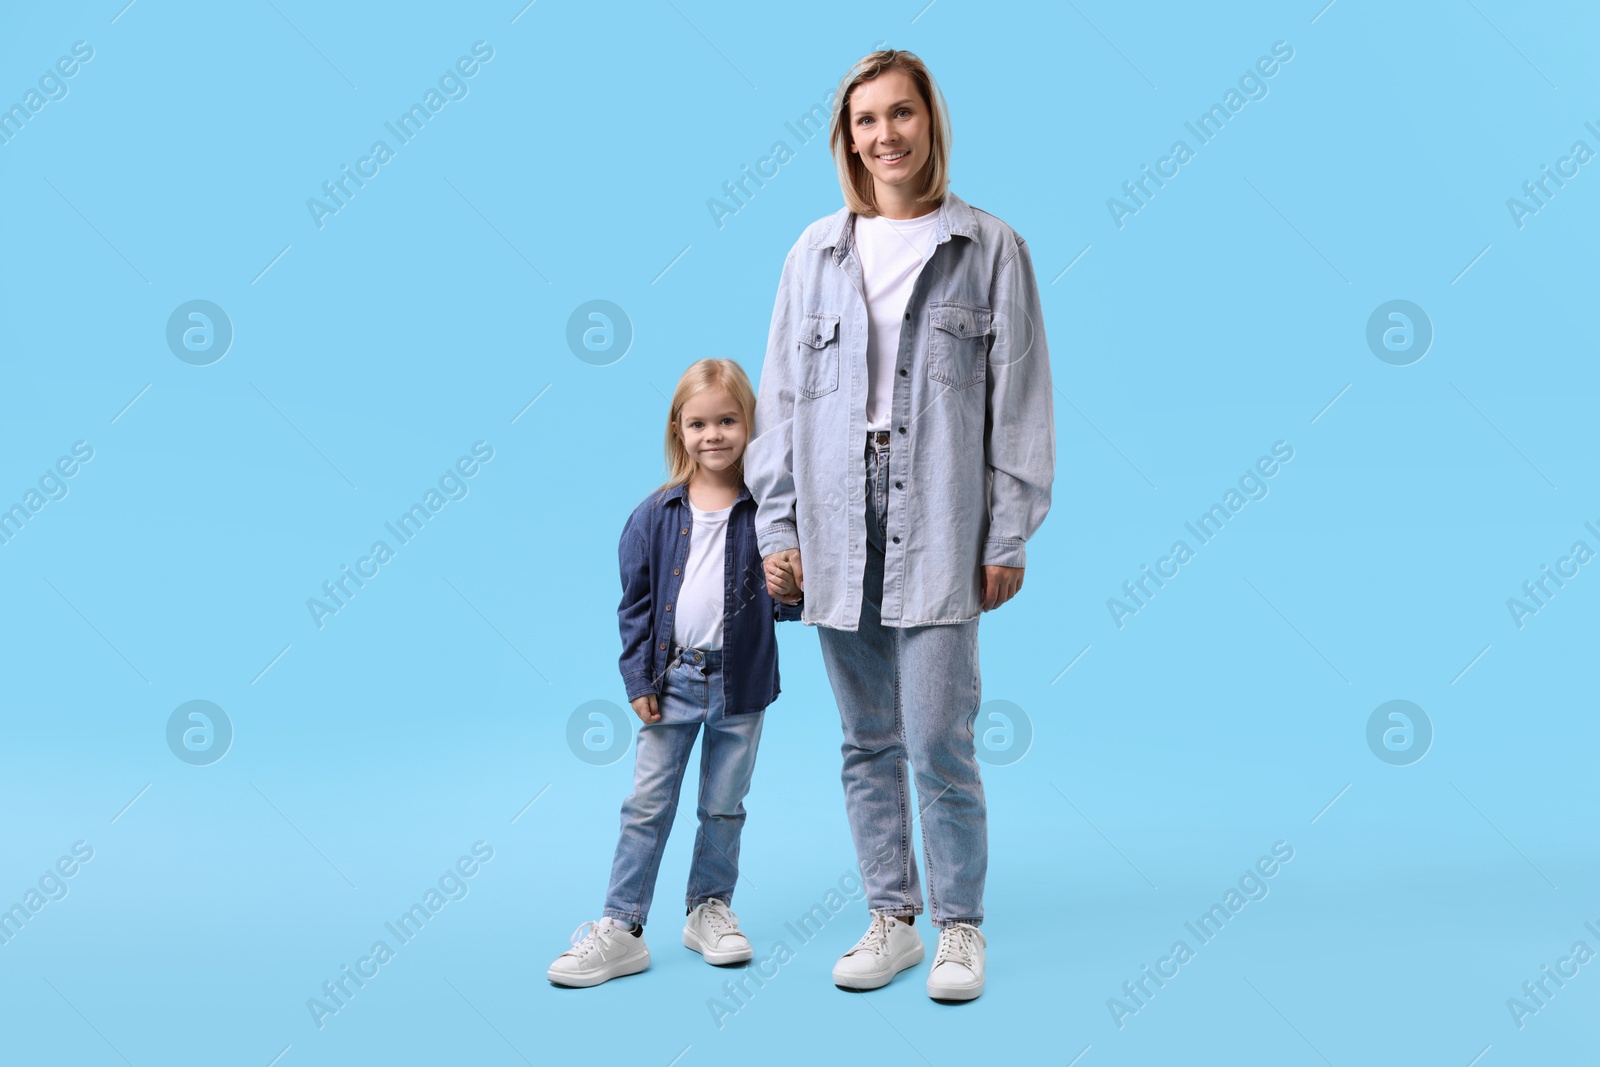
(652, 553)
(974, 428)
(691, 696)
(909, 693)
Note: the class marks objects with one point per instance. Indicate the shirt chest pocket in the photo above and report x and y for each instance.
(958, 343)
(818, 353)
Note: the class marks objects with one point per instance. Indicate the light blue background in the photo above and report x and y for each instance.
(429, 312)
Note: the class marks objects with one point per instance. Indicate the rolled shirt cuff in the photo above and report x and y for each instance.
(779, 537)
(1004, 552)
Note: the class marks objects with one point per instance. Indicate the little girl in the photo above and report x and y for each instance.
(698, 648)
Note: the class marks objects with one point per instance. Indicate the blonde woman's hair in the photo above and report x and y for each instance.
(705, 374)
(854, 178)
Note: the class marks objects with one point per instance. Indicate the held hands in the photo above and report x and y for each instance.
(785, 579)
(645, 707)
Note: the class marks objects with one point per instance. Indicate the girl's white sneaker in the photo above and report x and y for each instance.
(888, 947)
(713, 931)
(600, 952)
(957, 972)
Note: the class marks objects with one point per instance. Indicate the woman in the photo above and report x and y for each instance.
(904, 450)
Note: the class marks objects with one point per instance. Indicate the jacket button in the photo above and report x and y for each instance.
(904, 372)
(663, 645)
(908, 316)
(684, 530)
(897, 485)
(961, 327)
(669, 607)
(674, 570)
(902, 429)
(897, 540)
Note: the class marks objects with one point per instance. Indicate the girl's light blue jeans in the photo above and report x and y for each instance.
(909, 695)
(691, 697)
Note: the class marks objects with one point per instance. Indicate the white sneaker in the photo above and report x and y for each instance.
(957, 972)
(600, 952)
(713, 931)
(888, 947)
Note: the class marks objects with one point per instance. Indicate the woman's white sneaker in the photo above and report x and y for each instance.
(713, 931)
(600, 952)
(957, 972)
(888, 947)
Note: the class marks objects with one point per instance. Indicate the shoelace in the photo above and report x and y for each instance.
(958, 944)
(585, 939)
(875, 940)
(717, 916)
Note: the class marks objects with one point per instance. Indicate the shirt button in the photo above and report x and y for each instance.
(674, 570)
(686, 529)
(663, 645)
(669, 607)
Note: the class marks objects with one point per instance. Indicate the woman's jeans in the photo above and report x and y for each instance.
(691, 695)
(909, 693)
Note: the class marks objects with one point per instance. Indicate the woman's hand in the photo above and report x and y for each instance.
(646, 708)
(785, 579)
(1000, 584)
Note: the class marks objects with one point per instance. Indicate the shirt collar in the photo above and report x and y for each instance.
(955, 217)
(681, 493)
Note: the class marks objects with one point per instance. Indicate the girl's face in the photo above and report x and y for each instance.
(712, 429)
(889, 128)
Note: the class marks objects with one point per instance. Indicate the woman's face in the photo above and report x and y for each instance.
(889, 128)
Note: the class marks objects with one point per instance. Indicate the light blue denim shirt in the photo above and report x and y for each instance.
(972, 447)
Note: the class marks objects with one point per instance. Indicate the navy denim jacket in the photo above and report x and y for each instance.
(652, 553)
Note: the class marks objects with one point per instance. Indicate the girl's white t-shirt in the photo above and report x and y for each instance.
(697, 613)
(893, 252)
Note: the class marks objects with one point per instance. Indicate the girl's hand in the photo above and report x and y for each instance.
(1000, 584)
(645, 708)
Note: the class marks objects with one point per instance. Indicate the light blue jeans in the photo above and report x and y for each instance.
(909, 694)
(691, 696)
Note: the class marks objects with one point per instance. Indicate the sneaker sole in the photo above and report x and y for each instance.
(620, 969)
(862, 982)
(956, 992)
(691, 940)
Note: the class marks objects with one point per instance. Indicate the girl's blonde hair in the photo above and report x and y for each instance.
(705, 374)
(854, 178)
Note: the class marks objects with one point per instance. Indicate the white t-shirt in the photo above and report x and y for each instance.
(697, 613)
(893, 252)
